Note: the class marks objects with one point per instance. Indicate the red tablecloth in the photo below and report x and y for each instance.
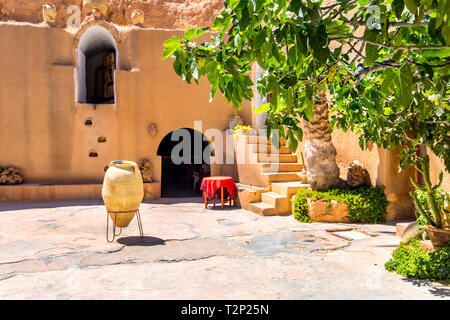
(211, 184)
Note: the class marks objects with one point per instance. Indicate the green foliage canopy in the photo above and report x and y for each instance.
(384, 62)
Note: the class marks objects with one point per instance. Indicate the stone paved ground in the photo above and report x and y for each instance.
(59, 251)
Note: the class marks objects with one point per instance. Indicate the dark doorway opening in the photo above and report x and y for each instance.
(184, 179)
(100, 66)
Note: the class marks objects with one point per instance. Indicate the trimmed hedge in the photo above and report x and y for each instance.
(410, 261)
(366, 204)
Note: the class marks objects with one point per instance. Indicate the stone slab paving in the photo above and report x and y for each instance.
(59, 251)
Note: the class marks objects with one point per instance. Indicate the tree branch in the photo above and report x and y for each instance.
(362, 12)
(357, 52)
(437, 122)
(391, 47)
(406, 24)
(399, 24)
(344, 3)
(331, 6)
(428, 65)
(360, 49)
(362, 71)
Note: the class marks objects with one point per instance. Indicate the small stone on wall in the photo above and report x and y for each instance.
(11, 175)
(357, 175)
(49, 13)
(137, 17)
(146, 170)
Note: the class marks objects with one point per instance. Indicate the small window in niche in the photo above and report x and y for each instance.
(100, 77)
(97, 58)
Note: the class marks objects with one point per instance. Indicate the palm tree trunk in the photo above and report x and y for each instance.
(320, 152)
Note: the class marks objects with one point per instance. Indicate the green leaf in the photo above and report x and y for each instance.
(170, 46)
(387, 111)
(388, 81)
(301, 40)
(262, 108)
(233, 3)
(398, 6)
(442, 9)
(293, 143)
(318, 43)
(371, 50)
(292, 55)
(436, 53)
(371, 53)
(403, 90)
(191, 34)
(309, 109)
(412, 5)
(399, 82)
(299, 133)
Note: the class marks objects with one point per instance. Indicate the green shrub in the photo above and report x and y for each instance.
(410, 261)
(366, 204)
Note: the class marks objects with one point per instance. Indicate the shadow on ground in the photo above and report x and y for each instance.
(225, 206)
(48, 205)
(442, 291)
(141, 241)
(12, 206)
(175, 200)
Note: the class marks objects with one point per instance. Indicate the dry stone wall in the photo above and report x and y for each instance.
(164, 14)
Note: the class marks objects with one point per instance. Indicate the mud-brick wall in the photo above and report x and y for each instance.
(42, 127)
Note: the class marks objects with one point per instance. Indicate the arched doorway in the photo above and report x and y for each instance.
(97, 61)
(182, 165)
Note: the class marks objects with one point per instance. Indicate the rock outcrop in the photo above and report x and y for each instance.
(357, 175)
(166, 14)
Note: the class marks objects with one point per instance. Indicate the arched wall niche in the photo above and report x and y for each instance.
(97, 57)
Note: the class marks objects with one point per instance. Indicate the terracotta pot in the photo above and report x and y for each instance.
(438, 237)
(122, 191)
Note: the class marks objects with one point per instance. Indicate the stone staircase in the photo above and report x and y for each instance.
(281, 171)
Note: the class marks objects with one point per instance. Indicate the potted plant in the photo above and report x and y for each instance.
(432, 206)
(241, 130)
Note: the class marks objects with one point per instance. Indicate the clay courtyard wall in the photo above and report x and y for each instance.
(42, 126)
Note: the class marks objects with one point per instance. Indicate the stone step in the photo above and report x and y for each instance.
(250, 193)
(261, 208)
(265, 209)
(261, 148)
(281, 167)
(258, 139)
(276, 200)
(288, 189)
(282, 176)
(262, 140)
(276, 157)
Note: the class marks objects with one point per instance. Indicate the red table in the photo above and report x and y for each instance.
(210, 185)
